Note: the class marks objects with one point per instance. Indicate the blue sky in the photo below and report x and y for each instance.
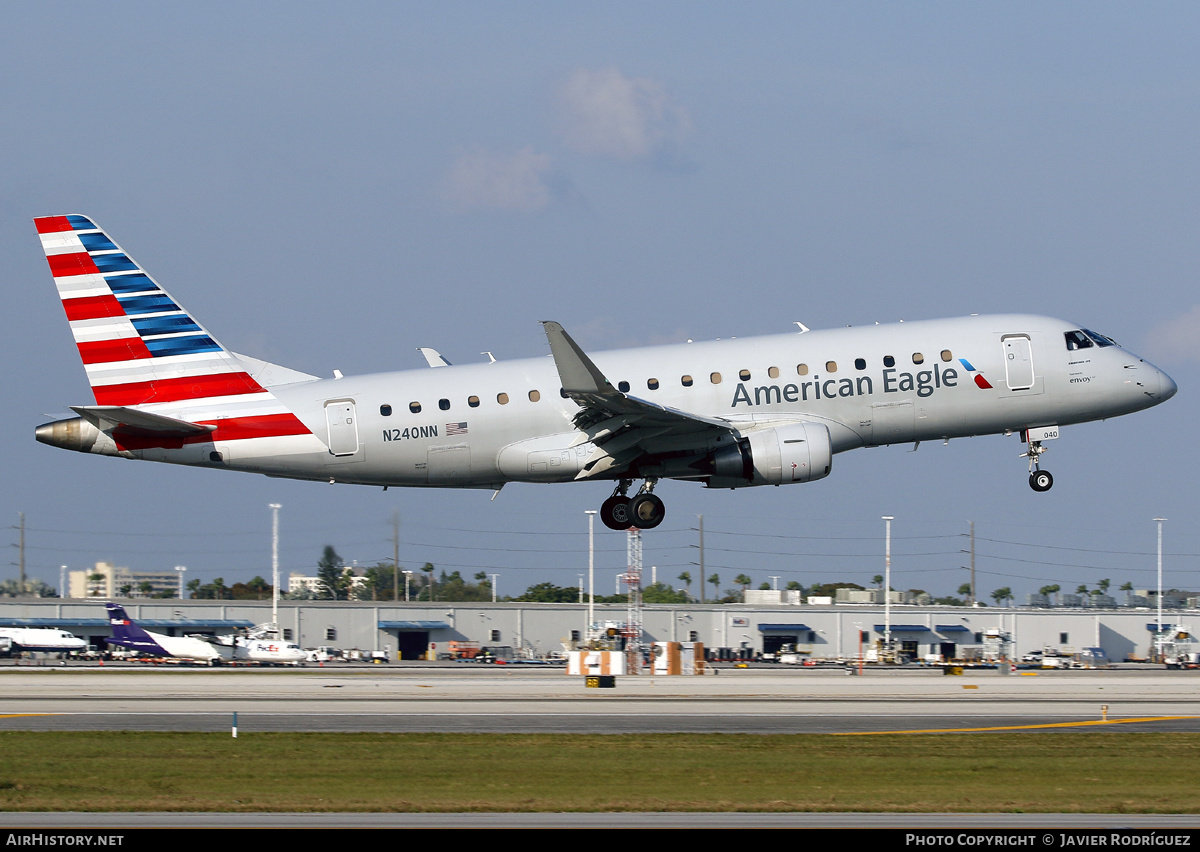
(329, 186)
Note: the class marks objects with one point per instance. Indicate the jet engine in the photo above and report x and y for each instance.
(797, 452)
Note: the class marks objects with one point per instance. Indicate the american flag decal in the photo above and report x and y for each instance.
(456, 428)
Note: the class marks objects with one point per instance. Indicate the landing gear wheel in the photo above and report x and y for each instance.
(615, 513)
(647, 511)
(1041, 480)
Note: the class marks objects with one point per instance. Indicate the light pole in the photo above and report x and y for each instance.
(181, 569)
(591, 610)
(1158, 630)
(274, 507)
(887, 583)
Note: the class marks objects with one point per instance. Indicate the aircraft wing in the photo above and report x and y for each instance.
(623, 428)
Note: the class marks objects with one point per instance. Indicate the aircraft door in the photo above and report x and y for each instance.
(343, 427)
(1018, 361)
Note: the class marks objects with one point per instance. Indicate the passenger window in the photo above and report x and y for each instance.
(889, 361)
(860, 363)
(652, 384)
(502, 398)
(831, 366)
(563, 393)
(534, 396)
(744, 375)
(918, 358)
(686, 381)
(414, 407)
(715, 378)
(773, 372)
(473, 401)
(623, 387)
(385, 410)
(946, 356)
(802, 369)
(444, 404)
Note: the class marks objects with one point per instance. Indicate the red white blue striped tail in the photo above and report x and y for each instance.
(140, 348)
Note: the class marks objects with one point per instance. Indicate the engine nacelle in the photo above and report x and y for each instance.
(797, 452)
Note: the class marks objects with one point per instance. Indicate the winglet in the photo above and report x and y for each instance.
(432, 357)
(575, 369)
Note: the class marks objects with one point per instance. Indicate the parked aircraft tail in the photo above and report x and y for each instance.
(127, 634)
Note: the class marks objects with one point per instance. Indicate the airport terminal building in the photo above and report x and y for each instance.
(831, 632)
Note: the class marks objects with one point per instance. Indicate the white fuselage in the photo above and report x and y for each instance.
(484, 425)
(42, 639)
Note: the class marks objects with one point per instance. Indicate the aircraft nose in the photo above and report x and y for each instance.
(1166, 386)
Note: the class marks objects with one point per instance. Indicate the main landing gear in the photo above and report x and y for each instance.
(644, 510)
(1039, 480)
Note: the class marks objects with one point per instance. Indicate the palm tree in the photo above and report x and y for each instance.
(686, 579)
(743, 580)
(715, 579)
(1002, 594)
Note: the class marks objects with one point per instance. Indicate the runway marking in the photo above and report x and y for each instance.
(24, 715)
(1018, 727)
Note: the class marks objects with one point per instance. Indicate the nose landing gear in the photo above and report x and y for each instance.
(1039, 480)
(645, 510)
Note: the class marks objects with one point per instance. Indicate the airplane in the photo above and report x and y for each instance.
(734, 413)
(47, 639)
(213, 650)
(262, 645)
(127, 634)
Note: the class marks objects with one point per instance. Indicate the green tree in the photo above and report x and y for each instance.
(332, 579)
(661, 593)
(378, 583)
(549, 593)
(686, 579)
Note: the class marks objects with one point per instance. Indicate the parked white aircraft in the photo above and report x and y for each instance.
(127, 634)
(728, 413)
(48, 639)
(256, 647)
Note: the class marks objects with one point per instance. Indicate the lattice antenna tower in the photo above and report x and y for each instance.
(632, 578)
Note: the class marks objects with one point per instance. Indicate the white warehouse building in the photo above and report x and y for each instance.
(414, 630)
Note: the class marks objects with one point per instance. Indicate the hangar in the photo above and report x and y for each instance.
(413, 630)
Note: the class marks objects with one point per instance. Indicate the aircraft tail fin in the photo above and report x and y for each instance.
(141, 348)
(127, 634)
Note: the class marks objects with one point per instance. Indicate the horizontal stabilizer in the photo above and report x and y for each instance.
(133, 421)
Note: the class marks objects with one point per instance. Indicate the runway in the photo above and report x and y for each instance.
(525, 700)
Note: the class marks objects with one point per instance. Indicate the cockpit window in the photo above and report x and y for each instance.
(1077, 340)
(1100, 339)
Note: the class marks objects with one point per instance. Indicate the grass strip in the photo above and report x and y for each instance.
(1082, 772)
